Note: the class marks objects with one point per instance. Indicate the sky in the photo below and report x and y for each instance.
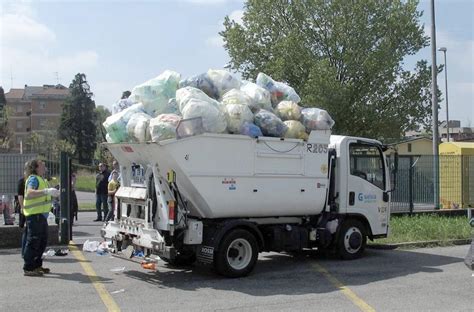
(120, 44)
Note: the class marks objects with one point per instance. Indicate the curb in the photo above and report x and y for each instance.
(421, 244)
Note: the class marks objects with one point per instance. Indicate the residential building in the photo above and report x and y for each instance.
(456, 132)
(415, 146)
(34, 110)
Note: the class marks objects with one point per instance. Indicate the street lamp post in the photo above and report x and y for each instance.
(434, 107)
(443, 49)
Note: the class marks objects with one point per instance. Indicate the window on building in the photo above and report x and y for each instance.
(19, 124)
(409, 147)
(42, 104)
(43, 123)
(19, 108)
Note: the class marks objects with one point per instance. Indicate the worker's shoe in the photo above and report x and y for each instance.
(35, 272)
(44, 270)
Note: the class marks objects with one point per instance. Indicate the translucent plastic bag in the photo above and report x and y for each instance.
(295, 130)
(223, 80)
(251, 130)
(120, 105)
(270, 124)
(90, 246)
(116, 125)
(163, 127)
(279, 91)
(201, 82)
(259, 96)
(156, 93)
(316, 119)
(137, 127)
(213, 119)
(236, 96)
(236, 115)
(184, 95)
(288, 110)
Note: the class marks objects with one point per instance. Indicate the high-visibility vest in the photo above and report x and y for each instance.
(37, 205)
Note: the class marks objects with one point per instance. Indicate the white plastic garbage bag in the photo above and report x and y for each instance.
(184, 95)
(137, 127)
(90, 246)
(236, 115)
(295, 130)
(270, 124)
(259, 96)
(288, 110)
(201, 82)
(279, 91)
(223, 80)
(316, 119)
(156, 93)
(116, 125)
(213, 119)
(163, 127)
(236, 96)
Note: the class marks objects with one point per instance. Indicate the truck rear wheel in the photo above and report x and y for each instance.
(237, 254)
(352, 240)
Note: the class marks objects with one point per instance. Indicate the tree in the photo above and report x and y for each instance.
(101, 113)
(78, 120)
(5, 112)
(125, 94)
(343, 56)
(101, 152)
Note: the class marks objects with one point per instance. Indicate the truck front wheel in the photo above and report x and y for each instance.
(352, 240)
(237, 254)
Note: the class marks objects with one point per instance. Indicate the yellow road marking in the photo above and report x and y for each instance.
(109, 302)
(363, 306)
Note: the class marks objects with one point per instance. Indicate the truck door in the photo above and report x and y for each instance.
(367, 183)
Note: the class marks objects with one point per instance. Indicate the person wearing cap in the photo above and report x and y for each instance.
(101, 192)
(36, 207)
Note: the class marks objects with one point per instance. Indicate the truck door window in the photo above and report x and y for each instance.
(367, 163)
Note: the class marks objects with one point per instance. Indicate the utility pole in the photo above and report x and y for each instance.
(434, 103)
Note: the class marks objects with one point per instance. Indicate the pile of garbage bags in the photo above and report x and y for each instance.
(224, 103)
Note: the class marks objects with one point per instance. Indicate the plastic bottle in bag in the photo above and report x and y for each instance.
(270, 124)
(316, 119)
(279, 91)
(259, 96)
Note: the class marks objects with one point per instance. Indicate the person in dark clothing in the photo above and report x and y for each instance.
(101, 192)
(73, 198)
(19, 200)
(19, 203)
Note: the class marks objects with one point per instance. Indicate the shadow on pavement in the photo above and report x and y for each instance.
(282, 274)
(78, 277)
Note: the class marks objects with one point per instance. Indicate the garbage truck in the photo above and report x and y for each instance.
(221, 199)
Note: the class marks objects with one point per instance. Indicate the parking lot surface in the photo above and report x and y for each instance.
(429, 279)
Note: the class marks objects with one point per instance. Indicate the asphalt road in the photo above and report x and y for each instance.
(431, 279)
(85, 197)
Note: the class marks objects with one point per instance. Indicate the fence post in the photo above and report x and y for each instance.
(410, 185)
(65, 219)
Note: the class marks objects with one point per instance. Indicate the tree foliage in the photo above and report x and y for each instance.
(101, 152)
(343, 56)
(5, 132)
(78, 120)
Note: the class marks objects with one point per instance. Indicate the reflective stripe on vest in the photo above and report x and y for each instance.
(37, 205)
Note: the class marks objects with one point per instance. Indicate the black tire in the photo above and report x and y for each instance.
(352, 240)
(238, 261)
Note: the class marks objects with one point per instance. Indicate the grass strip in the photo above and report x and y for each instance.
(419, 228)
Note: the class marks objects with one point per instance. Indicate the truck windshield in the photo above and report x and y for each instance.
(367, 163)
